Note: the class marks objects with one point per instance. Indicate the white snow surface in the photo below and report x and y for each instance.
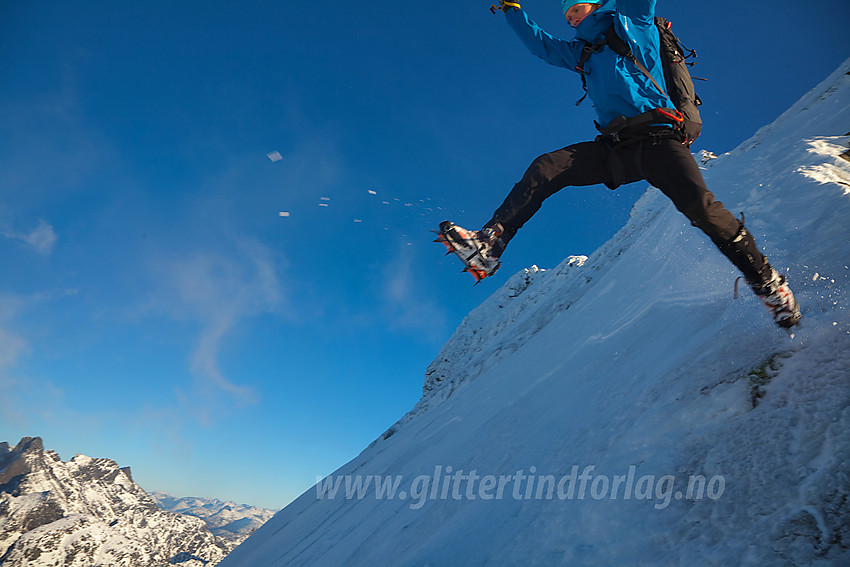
(638, 361)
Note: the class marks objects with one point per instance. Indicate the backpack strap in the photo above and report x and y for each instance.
(618, 46)
(622, 127)
(622, 48)
(586, 51)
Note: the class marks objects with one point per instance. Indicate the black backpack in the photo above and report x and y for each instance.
(677, 78)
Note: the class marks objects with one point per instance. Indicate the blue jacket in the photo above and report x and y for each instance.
(614, 84)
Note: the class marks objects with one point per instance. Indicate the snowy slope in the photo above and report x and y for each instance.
(567, 418)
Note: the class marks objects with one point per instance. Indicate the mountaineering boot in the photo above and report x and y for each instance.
(767, 284)
(478, 250)
(778, 298)
(491, 241)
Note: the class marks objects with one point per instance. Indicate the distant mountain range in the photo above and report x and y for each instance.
(226, 520)
(87, 511)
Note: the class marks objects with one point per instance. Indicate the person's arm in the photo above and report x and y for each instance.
(550, 49)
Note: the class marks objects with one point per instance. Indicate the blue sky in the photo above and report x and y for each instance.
(157, 309)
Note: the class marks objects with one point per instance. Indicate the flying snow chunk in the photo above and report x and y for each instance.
(372, 192)
(274, 156)
(284, 213)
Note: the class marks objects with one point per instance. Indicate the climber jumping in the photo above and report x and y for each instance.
(644, 135)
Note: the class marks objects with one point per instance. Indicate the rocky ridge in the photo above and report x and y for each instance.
(87, 512)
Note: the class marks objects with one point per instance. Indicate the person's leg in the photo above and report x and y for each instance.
(582, 164)
(669, 166)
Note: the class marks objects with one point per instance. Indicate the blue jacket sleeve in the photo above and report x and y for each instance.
(558, 52)
(641, 11)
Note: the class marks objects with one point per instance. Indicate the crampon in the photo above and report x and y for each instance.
(473, 248)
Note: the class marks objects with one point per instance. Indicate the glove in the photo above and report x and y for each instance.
(504, 6)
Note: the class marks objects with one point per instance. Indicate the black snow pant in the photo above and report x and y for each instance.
(661, 160)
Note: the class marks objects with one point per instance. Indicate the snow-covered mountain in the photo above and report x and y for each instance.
(229, 521)
(624, 409)
(87, 512)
